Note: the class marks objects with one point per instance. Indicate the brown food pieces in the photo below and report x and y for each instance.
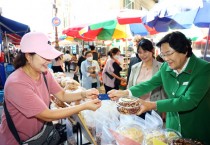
(183, 141)
(128, 106)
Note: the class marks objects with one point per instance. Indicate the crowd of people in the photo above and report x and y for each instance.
(176, 84)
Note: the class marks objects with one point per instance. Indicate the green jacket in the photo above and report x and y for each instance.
(188, 103)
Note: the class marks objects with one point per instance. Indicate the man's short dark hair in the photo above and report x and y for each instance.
(92, 47)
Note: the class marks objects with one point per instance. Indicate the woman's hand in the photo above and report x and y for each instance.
(146, 106)
(91, 93)
(93, 75)
(123, 79)
(92, 104)
(116, 94)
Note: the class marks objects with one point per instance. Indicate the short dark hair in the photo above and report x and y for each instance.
(84, 50)
(114, 50)
(145, 44)
(87, 52)
(177, 41)
(92, 47)
(20, 60)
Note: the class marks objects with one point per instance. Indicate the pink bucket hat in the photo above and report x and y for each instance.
(37, 42)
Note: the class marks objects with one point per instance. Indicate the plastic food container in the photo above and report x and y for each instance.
(128, 105)
(132, 131)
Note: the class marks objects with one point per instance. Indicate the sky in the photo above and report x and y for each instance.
(38, 14)
(35, 13)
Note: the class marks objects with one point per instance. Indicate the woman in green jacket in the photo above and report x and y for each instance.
(186, 81)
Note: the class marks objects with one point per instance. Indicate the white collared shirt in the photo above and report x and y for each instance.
(183, 68)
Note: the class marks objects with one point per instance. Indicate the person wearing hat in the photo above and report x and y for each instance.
(27, 94)
(186, 81)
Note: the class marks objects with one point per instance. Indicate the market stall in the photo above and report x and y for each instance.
(116, 122)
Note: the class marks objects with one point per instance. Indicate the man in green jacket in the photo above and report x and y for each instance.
(186, 81)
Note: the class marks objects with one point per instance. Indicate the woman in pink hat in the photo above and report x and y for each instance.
(26, 93)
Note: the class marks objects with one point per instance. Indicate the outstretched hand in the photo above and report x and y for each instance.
(93, 104)
(92, 93)
(116, 94)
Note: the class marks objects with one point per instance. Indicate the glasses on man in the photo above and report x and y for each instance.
(166, 54)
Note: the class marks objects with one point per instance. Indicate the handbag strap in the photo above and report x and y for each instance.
(10, 121)
(11, 124)
(45, 80)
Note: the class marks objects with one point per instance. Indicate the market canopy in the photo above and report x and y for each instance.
(12, 29)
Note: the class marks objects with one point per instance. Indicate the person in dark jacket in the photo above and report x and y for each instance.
(81, 59)
(96, 55)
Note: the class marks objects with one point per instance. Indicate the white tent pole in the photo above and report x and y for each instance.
(207, 45)
(5, 33)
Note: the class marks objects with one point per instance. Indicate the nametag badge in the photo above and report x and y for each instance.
(185, 83)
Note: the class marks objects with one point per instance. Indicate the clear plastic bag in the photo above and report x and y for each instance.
(139, 121)
(107, 138)
(153, 121)
(153, 128)
(132, 131)
(157, 119)
(99, 128)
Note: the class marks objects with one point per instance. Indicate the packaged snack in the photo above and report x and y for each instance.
(128, 106)
(132, 131)
(157, 134)
(171, 135)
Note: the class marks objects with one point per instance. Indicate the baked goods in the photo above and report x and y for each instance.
(128, 105)
(71, 85)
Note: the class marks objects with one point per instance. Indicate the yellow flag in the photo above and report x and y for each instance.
(83, 30)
